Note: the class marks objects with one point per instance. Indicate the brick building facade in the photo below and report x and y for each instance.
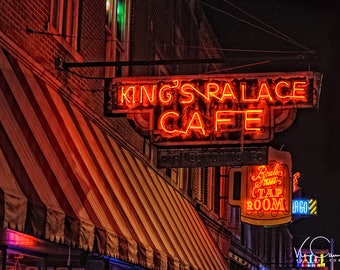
(81, 190)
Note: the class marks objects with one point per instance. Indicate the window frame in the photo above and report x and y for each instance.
(117, 49)
(64, 23)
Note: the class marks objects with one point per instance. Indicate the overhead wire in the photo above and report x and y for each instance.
(271, 30)
(239, 50)
(262, 26)
(236, 67)
(294, 42)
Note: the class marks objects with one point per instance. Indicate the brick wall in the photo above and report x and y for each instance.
(168, 29)
(26, 23)
(18, 16)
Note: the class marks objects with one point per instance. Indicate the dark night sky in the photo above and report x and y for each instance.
(313, 139)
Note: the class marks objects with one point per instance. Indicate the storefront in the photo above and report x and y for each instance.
(72, 194)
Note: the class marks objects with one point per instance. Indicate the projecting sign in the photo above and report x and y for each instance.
(263, 192)
(213, 109)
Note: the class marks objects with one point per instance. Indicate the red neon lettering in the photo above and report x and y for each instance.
(223, 121)
(269, 193)
(266, 204)
(264, 92)
(228, 93)
(223, 118)
(212, 90)
(257, 205)
(169, 119)
(296, 177)
(266, 192)
(127, 95)
(249, 205)
(168, 123)
(278, 204)
(273, 205)
(190, 95)
(196, 123)
(148, 95)
(165, 94)
(265, 177)
(187, 97)
(280, 88)
(243, 88)
(221, 107)
(253, 120)
(299, 89)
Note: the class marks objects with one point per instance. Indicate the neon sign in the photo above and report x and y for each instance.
(221, 108)
(296, 177)
(264, 192)
(300, 207)
(304, 206)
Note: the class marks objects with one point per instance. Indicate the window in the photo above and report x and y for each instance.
(64, 16)
(210, 188)
(217, 190)
(174, 177)
(116, 17)
(223, 192)
(246, 233)
(205, 185)
(191, 179)
(117, 33)
(234, 221)
(120, 19)
(109, 13)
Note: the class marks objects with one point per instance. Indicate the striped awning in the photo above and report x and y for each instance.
(64, 179)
